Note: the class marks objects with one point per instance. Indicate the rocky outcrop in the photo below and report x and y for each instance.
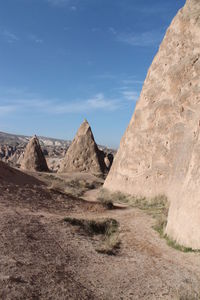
(33, 157)
(160, 151)
(84, 155)
(108, 160)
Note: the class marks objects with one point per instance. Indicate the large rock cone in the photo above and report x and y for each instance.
(83, 154)
(160, 151)
(33, 157)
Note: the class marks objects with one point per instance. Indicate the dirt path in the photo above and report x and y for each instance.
(146, 267)
(42, 257)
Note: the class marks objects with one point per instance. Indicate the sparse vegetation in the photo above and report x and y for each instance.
(107, 227)
(187, 293)
(175, 245)
(157, 207)
(74, 187)
(107, 202)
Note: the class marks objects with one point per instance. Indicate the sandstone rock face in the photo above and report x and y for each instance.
(33, 157)
(160, 151)
(83, 155)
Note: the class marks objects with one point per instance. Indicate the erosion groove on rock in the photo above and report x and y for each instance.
(160, 151)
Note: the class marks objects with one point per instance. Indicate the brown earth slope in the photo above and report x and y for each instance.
(43, 257)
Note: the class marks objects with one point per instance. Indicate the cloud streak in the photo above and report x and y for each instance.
(130, 95)
(15, 100)
(144, 39)
(35, 39)
(58, 2)
(7, 109)
(9, 36)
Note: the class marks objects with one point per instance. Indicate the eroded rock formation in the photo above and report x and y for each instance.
(83, 154)
(33, 158)
(160, 151)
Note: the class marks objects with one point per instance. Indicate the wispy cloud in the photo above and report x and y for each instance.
(121, 79)
(100, 102)
(73, 8)
(132, 82)
(154, 9)
(96, 29)
(35, 39)
(112, 30)
(105, 76)
(19, 100)
(130, 95)
(9, 36)
(72, 5)
(58, 2)
(7, 109)
(144, 39)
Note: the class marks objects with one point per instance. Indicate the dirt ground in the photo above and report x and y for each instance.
(43, 257)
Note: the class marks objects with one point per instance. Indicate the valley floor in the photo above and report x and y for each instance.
(43, 257)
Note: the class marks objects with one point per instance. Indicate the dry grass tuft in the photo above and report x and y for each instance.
(108, 228)
(75, 187)
(187, 293)
(157, 207)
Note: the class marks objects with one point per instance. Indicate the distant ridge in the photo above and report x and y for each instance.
(13, 139)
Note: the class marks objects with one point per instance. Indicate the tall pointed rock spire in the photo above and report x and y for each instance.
(83, 155)
(33, 159)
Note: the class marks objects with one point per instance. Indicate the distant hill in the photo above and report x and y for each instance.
(14, 140)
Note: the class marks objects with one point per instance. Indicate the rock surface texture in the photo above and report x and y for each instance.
(33, 157)
(83, 155)
(160, 151)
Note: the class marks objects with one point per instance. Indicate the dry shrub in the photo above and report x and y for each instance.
(108, 228)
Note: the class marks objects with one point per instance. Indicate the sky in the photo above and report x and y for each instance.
(62, 61)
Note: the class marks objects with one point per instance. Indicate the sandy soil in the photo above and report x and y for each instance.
(42, 257)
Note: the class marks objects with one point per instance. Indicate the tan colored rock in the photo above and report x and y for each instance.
(83, 154)
(20, 159)
(108, 160)
(160, 151)
(33, 158)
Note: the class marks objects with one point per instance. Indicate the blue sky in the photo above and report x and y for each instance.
(66, 60)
